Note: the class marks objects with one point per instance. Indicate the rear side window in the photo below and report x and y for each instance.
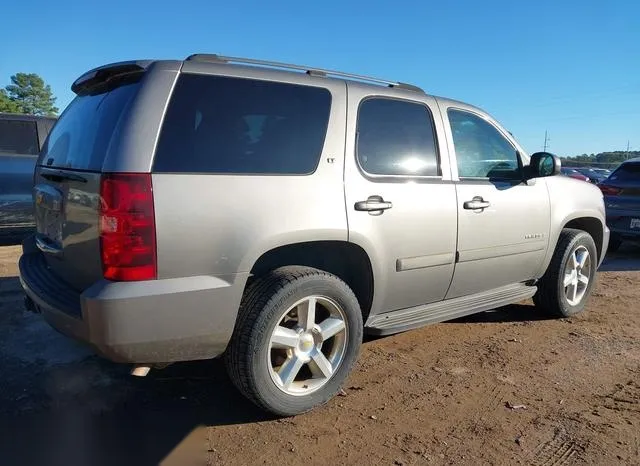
(82, 136)
(18, 137)
(628, 172)
(396, 137)
(220, 124)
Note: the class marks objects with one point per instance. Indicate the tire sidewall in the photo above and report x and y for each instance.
(320, 285)
(583, 239)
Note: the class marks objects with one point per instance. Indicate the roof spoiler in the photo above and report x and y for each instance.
(107, 73)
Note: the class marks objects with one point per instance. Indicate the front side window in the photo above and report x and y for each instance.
(218, 124)
(18, 137)
(481, 150)
(396, 138)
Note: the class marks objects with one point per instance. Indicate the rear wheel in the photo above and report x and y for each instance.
(296, 339)
(564, 289)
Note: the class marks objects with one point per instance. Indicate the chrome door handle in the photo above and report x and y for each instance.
(375, 205)
(477, 203)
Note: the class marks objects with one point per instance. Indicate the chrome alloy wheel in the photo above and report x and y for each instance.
(577, 274)
(307, 345)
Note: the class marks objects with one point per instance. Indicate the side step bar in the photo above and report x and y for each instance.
(414, 317)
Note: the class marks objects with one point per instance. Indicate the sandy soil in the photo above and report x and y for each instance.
(501, 387)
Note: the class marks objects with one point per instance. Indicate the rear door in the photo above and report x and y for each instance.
(503, 221)
(67, 179)
(401, 204)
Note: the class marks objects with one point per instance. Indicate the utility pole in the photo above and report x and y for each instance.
(546, 141)
(627, 154)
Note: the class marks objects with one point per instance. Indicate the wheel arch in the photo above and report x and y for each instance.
(591, 225)
(346, 260)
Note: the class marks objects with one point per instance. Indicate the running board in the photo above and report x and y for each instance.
(414, 317)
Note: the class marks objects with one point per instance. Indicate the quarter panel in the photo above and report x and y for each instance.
(136, 144)
(221, 224)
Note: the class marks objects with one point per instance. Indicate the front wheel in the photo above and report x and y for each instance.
(565, 287)
(297, 337)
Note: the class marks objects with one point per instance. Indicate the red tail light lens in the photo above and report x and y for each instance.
(609, 190)
(127, 227)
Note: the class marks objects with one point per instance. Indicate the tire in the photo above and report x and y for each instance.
(614, 243)
(552, 297)
(256, 358)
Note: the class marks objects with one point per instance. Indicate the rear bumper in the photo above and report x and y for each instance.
(152, 321)
(620, 223)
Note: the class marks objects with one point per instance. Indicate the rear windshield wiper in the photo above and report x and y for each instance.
(59, 175)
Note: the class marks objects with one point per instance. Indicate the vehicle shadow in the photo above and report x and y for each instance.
(132, 422)
(60, 404)
(505, 314)
(626, 259)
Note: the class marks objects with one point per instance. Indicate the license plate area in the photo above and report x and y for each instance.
(634, 224)
(49, 213)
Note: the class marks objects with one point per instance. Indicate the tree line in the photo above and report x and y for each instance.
(28, 94)
(603, 159)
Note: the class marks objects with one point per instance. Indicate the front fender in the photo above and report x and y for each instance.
(576, 204)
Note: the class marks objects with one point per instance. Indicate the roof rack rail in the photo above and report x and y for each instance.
(213, 58)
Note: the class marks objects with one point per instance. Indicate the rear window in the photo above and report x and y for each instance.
(82, 136)
(627, 172)
(220, 124)
(18, 137)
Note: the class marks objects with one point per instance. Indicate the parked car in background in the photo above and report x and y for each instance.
(21, 138)
(271, 214)
(573, 173)
(604, 171)
(622, 201)
(594, 176)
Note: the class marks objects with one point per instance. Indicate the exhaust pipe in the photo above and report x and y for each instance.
(140, 370)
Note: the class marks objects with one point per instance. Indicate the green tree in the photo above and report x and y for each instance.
(29, 94)
(6, 104)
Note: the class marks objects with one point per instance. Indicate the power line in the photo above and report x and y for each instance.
(546, 141)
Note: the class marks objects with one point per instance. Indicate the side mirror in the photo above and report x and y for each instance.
(544, 164)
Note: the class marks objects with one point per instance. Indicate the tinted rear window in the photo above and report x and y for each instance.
(83, 134)
(396, 138)
(230, 125)
(18, 137)
(629, 172)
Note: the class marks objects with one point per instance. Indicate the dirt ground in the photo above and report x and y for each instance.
(503, 387)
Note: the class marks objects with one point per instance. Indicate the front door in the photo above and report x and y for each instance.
(503, 221)
(401, 203)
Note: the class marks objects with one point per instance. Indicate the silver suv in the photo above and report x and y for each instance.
(273, 213)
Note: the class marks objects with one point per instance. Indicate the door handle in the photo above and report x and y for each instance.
(477, 203)
(375, 205)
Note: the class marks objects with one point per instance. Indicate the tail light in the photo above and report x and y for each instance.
(127, 227)
(609, 190)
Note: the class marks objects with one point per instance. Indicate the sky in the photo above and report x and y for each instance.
(571, 68)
